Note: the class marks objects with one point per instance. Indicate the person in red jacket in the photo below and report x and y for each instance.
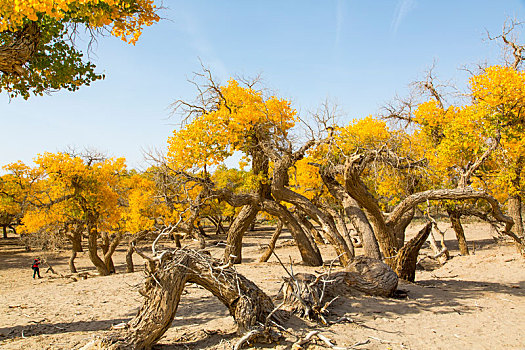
(36, 268)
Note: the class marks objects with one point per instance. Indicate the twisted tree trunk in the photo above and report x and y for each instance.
(307, 247)
(308, 227)
(282, 193)
(248, 304)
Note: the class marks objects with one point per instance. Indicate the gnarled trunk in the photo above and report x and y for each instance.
(107, 254)
(248, 304)
(356, 189)
(308, 227)
(341, 227)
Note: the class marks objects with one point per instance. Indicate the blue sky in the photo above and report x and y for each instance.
(358, 54)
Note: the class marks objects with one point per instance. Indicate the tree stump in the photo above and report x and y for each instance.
(309, 296)
(406, 259)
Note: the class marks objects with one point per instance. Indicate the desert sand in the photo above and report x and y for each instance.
(471, 302)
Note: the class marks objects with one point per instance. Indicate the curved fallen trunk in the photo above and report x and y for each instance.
(248, 304)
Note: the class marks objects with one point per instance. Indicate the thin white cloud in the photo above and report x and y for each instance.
(202, 45)
(402, 9)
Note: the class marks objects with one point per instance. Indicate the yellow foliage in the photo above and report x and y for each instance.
(240, 117)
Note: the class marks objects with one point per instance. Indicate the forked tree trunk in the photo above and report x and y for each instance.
(109, 245)
(244, 219)
(282, 193)
(271, 245)
(406, 259)
(248, 304)
(455, 221)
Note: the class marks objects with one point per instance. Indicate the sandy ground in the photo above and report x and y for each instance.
(471, 302)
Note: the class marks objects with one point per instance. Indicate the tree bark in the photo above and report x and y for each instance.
(455, 221)
(5, 230)
(271, 245)
(107, 252)
(242, 222)
(406, 259)
(356, 189)
(108, 255)
(248, 304)
(281, 193)
(15, 54)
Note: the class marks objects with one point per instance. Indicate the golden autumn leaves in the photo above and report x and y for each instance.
(240, 114)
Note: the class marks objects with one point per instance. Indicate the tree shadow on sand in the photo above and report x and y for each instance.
(40, 328)
(441, 296)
